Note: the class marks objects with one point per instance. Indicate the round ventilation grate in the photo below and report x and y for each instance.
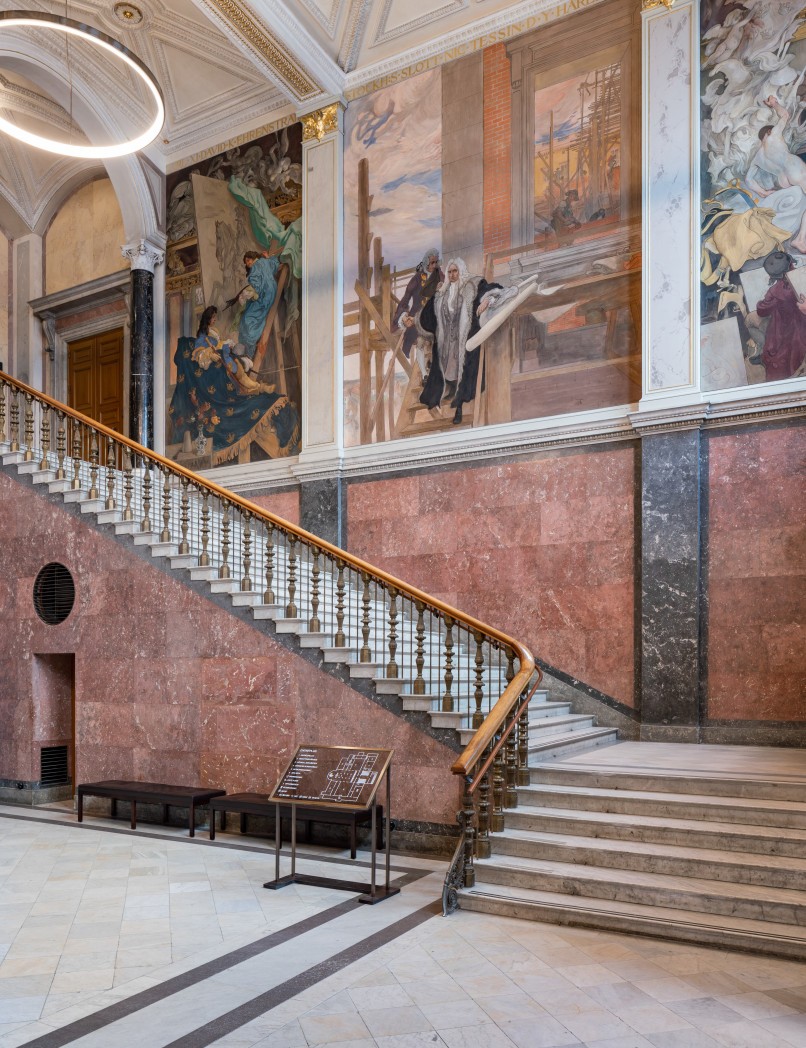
(54, 594)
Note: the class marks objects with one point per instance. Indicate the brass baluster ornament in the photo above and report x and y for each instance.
(204, 556)
(110, 473)
(165, 534)
(184, 517)
(483, 846)
(478, 694)
(75, 484)
(61, 447)
(523, 747)
(418, 687)
(365, 654)
(128, 484)
(3, 388)
(314, 625)
(146, 522)
(246, 580)
(391, 666)
(268, 593)
(291, 607)
(44, 436)
(447, 698)
(28, 427)
(469, 833)
(223, 571)
(511, 764)
(497, 818)
(340, 640)
(93, 493)
(15, 422)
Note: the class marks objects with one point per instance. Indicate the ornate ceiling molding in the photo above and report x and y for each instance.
(353, 36)
(326, 21)
(382, 35)
(512, 21)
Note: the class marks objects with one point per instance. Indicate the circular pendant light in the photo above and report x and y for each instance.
(41, 20)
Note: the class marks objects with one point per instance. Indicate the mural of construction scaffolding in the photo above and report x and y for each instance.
(492, 235)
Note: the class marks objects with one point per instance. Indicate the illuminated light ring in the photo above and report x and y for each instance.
(38, 19)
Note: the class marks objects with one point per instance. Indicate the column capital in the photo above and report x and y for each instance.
(143, 254)
(650, 5)
(321, 122)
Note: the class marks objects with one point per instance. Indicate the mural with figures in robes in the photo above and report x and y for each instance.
(492, 234)
(753, 258)
(234, 268)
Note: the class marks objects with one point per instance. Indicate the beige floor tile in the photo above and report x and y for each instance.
(327, 1028)
(539, 1032)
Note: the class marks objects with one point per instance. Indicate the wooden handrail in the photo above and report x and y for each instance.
(527, 663)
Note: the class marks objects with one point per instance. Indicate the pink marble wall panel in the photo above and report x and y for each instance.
(169, 686)
(757, 576)
(283, 504)
(542, 549)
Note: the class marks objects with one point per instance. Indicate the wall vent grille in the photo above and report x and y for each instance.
(53, 769)
(54, 594)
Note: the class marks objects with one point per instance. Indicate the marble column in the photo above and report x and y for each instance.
(670, 213)
(322, 501)
(144, 257)
(673, 505)
(25, 357)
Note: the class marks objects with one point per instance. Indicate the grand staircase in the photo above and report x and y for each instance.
(714, 859)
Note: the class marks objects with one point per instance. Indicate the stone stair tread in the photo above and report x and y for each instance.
(656, 916)
(694, 886)
(604, 793)
(559, 773)
(661, 851)
(551, 741)
(696, 826)
(571, 718)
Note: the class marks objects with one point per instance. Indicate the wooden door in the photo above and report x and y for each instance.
(95, 377)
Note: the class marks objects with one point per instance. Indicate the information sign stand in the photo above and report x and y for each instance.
(342, 778)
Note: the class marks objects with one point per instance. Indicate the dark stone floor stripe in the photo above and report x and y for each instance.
(203, 842)
(265, 1002)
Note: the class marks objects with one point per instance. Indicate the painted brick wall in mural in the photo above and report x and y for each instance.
(234, 265)
(492, 234)
(753, 266)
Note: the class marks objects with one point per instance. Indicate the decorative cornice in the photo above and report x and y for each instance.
(383, 34)
(142, 254)
(231, 143)
(257, 38)
(512, 21)
(320, 123)
(353, 35)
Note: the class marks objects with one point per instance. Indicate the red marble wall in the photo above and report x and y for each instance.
(283, 504)
(170, 687)
(757, 576)
(542, 549)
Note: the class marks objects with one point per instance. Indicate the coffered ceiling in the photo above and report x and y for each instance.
(225, 67)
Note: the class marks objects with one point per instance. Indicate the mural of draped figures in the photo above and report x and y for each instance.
(234, 265)
(753, 256)
(492, 234)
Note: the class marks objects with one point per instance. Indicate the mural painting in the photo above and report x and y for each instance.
(234, 267)
(753, 264)
(492, 234)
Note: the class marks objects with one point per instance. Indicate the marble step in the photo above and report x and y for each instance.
(673, 782)
(754, 902)
(647, 857)
(748, 811)
(725, 836)
(704, 929)
(562, 746)
(560, 725)
(541, 710)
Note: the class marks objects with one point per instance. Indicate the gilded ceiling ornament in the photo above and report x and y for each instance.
(254, 33)
(320, 123)
(649, 5)
(128, 14)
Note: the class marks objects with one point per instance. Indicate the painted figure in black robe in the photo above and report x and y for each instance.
(434, 324)
(419, 291)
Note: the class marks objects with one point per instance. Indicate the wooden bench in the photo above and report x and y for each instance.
(246, 804)
(190, 797)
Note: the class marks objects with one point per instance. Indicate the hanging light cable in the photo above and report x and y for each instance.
(41, 20)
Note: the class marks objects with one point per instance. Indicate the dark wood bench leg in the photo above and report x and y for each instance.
(212, 824)
(113, 809)
(192, 820)
(223, 824)
(165, 815)
(353, 836)
(133, 822)
(243, 822)
(80, 806)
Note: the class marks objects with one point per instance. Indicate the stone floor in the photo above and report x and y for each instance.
(111, 938)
